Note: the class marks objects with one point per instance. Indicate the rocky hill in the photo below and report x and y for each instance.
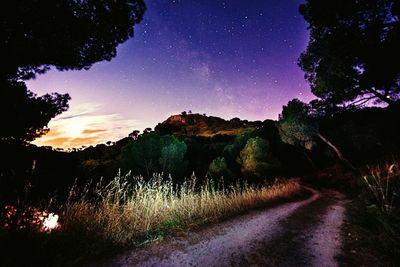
(202, 125)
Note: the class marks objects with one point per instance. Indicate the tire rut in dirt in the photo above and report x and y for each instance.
(289, 247)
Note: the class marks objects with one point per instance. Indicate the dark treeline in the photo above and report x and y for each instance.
(257, 152)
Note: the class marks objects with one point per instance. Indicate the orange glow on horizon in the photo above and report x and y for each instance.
(84, 125)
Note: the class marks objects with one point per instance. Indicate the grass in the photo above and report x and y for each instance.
(372, 232)
(383, 182)
(130, 211)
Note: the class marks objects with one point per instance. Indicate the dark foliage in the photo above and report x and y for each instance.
(66, 34)
(365, 136)
(30, 174)
(352, 56)
(23, 115)
(202, 151)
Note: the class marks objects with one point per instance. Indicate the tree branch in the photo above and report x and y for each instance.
(380, 96)
(362, 100)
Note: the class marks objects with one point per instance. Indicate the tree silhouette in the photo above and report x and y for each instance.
(352, 56)
(69, 35)
(23, 115)
(134, 134)
(172, 155)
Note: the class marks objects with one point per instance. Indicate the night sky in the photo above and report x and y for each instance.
(223, 58)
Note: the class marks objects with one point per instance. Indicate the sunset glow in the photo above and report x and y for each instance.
(84, 126)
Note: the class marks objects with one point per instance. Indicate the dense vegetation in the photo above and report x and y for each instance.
(259, 152)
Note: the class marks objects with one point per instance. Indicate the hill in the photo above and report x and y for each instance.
(205, 126)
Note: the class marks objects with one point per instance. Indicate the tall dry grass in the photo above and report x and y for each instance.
(129, 209)
(383, 182)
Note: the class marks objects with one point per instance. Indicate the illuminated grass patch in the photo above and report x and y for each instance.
(130, 210)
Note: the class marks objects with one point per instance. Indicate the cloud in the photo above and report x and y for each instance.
(84, 125)
(93, 131)
(79, 110)
(68, 142)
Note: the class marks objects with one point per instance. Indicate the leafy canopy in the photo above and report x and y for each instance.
(352, 55)
(296, 124)
(255, 158)
(232, 151)
(172, 154)
(219, 168)
(152, 153)
(67, 34)
(23, 115)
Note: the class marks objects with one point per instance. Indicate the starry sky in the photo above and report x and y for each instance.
(229, 58)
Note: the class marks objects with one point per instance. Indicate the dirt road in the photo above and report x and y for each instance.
(302, 233)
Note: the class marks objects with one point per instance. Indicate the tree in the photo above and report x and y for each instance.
(232, 151)
(255, 158)
(218, 168)
(23, 115)
(134, 134)
(148, 130)
(69, 35)
(298, 126)
(143, 154)
(352, 56)
(152, 153)
(172, 154)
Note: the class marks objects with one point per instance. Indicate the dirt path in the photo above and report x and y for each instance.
(302, 233)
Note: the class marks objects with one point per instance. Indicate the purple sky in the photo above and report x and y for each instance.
(223, 58)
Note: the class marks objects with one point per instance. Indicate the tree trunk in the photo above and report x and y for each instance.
(383, 98)
(337, 151)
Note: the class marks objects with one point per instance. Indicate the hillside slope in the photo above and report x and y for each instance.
(201, 125)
